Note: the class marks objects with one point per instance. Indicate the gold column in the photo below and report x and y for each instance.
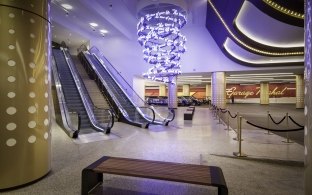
(186, 90)
(218, 83)
(162, 90)
(25, 140)
(299, 91)
(264, 93)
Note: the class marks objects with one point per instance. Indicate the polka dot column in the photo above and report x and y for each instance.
(25, 136)
(218, 84)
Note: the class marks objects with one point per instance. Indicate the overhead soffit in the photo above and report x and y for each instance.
(243, 55)
(266, 30)
(247, 45)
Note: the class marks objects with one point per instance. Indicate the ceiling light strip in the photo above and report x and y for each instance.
(284, 10)
(260, 74)
(248, 46)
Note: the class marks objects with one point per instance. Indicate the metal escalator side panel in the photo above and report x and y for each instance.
(143, 117)
(65, 116)
(157, 118)
(126, 117)
(86, 100)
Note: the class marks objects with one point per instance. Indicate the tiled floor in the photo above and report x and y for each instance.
(201, 141)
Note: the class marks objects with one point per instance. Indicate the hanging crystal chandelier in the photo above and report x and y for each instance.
(159, 34)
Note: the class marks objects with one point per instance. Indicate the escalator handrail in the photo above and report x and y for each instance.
(126, 94)
(123, 111)
(86, 100)
(95, 48)
(111, 114)
(153, 111)
(109, 72)
(62, 103)
(165, 119)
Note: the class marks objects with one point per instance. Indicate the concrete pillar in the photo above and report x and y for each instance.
(162, 90)
(208, 91)
(25, 137)
(299, 91)
(264, 93)
(308, 100)
(218, 84)
(172, 93)
(186, 90)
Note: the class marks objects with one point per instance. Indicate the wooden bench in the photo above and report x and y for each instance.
(92, 175)
(188, 114)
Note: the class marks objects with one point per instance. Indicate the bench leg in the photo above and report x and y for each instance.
(222, 191)
(90, 179)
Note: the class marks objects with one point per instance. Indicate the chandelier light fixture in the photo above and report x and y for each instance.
(159, 34)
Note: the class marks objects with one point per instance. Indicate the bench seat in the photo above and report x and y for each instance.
(178, 172)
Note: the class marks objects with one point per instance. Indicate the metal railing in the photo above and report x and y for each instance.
(264, 126)
(65, 114)
(130, 93)
(86, 100)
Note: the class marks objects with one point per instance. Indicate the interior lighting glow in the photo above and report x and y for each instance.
(159, 33)
(190, 76)
(93, 24)
(245, 56)
(67, 6)
(243, 23)
(259, 51)
(258, 74)
(284, 10)
(103, 31)
(264, 76)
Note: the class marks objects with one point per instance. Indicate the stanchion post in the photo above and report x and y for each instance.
(287, 136)
(237, 138)
(268, 123)
(228, 121)
(239, 153)
(220, 113)
(216, 114)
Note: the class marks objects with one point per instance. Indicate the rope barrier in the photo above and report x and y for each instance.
(269, 129)
(223, 110)
(277, 123)
(231, 115)
(295, 122)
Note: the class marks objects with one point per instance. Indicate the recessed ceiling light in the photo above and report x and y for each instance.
(103, 31)
(93, 24)
(67, 6)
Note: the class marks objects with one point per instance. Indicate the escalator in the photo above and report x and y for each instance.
(74, 98)
(131, 108)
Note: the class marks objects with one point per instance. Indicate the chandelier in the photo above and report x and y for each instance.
(159, 34)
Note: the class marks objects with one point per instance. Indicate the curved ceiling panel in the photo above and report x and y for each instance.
(243, 55)
(265, 30)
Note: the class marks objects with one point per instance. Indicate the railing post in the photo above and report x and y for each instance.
(237, 138)
(228, 121)
(216, 114)
(268, 123)
(287, 136)
(220, 113)
(239, 153)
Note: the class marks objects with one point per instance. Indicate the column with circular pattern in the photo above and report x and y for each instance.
(218, 85)
(25, 140)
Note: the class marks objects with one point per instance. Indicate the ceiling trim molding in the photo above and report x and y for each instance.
(247, 46)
